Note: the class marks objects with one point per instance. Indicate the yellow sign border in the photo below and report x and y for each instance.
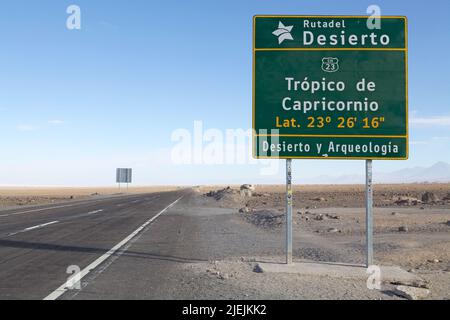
(254, 50)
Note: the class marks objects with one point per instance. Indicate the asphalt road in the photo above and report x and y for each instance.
(38, 245)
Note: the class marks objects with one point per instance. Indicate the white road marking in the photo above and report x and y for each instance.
(33, 228)
(65, 286)
(56, 207)
(37, 210)
(40, 225)
(95, 211)
(53, 222)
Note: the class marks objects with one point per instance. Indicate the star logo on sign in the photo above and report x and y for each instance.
(283, 32)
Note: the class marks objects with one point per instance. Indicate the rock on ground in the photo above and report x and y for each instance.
(429, 197)
(412, 293)
(319, 217)
(247, 190)
(244, 210)
(407, 201)
(219, 194)
(266, 219)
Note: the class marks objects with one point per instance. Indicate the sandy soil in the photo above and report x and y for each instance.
(21, 196)
(409, 232)
(336, 195)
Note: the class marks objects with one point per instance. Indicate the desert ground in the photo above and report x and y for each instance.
(25, 196)
(220, 234)
(411, 224)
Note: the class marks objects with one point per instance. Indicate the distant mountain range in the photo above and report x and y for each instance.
(438, 172)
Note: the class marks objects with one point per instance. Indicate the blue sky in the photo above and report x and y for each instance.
(75, 104)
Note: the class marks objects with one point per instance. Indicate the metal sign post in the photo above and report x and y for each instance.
(288, 211)
(369, 213)
(330, 94)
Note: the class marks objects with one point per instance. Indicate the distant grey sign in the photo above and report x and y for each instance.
(123, 175)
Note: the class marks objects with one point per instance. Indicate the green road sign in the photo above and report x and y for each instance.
(330, 87)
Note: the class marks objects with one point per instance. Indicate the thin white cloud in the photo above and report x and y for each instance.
(56, 122)
(431, 121)
(26, 127)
